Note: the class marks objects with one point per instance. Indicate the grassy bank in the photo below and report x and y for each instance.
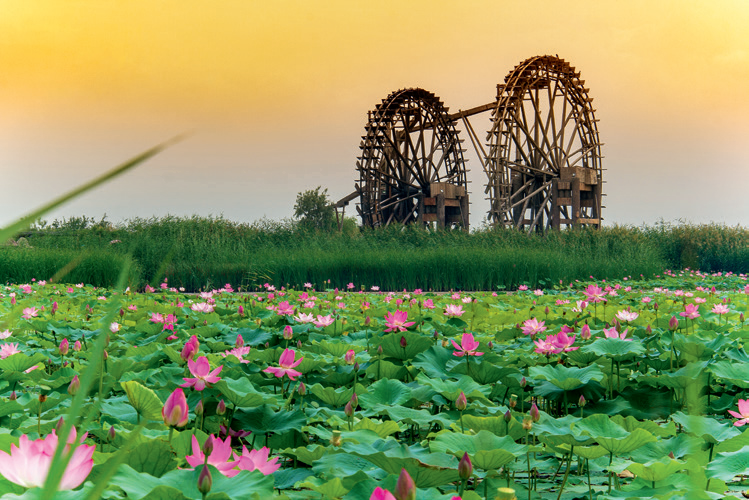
(199, 253)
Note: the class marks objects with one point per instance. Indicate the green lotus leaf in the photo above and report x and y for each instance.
(735, 372)
(566, 378)
(154, 457)
(332, 465)
(327, 489)
(144, 400)
(561, 431)
(616, 349)
(451, 389)
(410, 416)
(658, 470)
(433, 362)
(707, 428)
(241, 392)
(487, 451)
(612, 436)
(383, 429)
(332, 396)
(264, 420)
(495, 425)
(415, 344)
(287, 478)
(19, 362)
(386, 369)
(428, 470)
(630, 423)
(306, 454)
(730, 464)
(385, 392)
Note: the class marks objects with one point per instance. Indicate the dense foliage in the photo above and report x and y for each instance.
(201, 253)
(617, 389)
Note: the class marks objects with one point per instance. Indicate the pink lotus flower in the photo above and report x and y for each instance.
(28, 463)
(691, 311)
(175, 411)
(203, 374)
(239, 353)
(190, 349)
(286, 365)
(323, 321)
(743, 413)
(564, 342)
(203, 307)
(8, 350)
(627, 316)
(611, 333)
(30, 312)
(467, 346)
(453, 311)
(594, 293)
(219, 457)
(532, 327)
(157, 318)
(304, 318)
(397, 322)
(428, 304)
(5, 334)
(547, 346)
(257, 460)
(585, 332)
(720, 309)
(284, 309)
(380, 494)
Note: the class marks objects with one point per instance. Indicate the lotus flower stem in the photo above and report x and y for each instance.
(566, 473)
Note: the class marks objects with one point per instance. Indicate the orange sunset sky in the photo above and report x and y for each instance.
(275, 95)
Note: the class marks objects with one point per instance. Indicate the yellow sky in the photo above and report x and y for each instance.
(280, 83)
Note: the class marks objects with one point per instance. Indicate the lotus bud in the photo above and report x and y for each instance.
(208, 446)
(13, 300)
(490, 345)
(348, 410)
(105, 356)
(175, 411)
(379, 349)
(301, 389)
(54, 307)
(534, 413)
(350, 357)
(461, 403)
(240, 310)
(655, 305)
(64, 347)
(13, 396)
(581, 401)
(354, 400)
(671, 455)
(465, 467)
(513, 401)
(267, 345)
(199, 408)
(335, 439)
(111, 434)
(436, 335)
(77, 346)
(405, 488)
(221, 408)
(356, 366)
(648, 330)
(546, 310)
(367, 321)
(122, 312)
(508, 416)
(404, 344)
(75, 384)
(299, 344)
(527, 423)
(673, 323)
(205, 481)
(59, 424)
(288, 332)
(585, 332)
(741, 317)
(523, 382)
(240, 341)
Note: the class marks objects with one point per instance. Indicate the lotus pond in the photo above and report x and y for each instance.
(626, 389)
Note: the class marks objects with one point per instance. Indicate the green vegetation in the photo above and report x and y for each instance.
(198, 253)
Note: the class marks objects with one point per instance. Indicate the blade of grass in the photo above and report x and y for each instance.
(27, 220)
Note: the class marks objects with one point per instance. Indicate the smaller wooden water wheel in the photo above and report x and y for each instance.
(411, 167)
(544, 160)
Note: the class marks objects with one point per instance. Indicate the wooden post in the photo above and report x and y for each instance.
(555, 204)
(575, 185)
(464, 211)
(421, 210)
(440, 210)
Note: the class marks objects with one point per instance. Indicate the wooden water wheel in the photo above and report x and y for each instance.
(544, 159)
(411, 167)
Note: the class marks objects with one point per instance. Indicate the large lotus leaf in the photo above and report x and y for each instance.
(332, 396)
(656, 470)
(385, 392)
(434, 362)
(566, 378)
(144, 400)
(701, 349)
(326, 489)
(709, 429)
(306, 454)
(495, 425)
(409, 416)
(415, 344)
(617, 349)
(612, 436)
(561, 431)
(333, 465)
(735, 372)
(589, 452)
(241, 392)
(730, 464)
(427, 470)
(487, 451)
(451, 389)
(681, 445)
(630, 423)
(14, 366)
(382, 368)
(286, 478)
(154, 457)
(244, 486)
(683, 377)
(383, 429)
(264, 420)
(583, 358)
(336, 349)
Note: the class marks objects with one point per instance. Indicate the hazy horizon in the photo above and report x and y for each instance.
(276, 95)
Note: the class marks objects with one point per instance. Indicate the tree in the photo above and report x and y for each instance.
(314, 210)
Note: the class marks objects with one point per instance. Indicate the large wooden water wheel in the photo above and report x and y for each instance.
(544, 159)
(411, 166)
